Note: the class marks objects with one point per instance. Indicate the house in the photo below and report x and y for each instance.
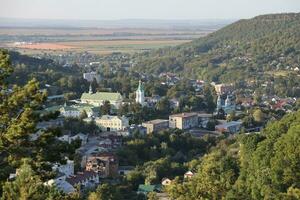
(166, 182)
(229, 127)
(112, 123)
(188, 174)
(75, 111)
(98, 98)
(85, 179)
(183, 121)
(66, 169)
(223, 88)
(91, 76)
(61, 184)
(105, 164)
(69, 112)
(69, 138)
(174, 103)
(145, 189)
(156, 125)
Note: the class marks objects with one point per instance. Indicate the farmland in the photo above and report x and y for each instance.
(94, 40)
(96, 46)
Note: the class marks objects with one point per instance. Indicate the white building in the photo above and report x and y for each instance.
(66, 169)
(112, 123)
(61, 184)
(140, 94)
(92, 76)
(68, 138)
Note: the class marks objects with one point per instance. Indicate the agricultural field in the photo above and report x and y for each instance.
(94, 40)
(97, 46)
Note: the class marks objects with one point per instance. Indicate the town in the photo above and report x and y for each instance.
(149, 109)
(100, 123)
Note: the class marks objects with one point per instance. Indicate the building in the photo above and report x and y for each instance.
(203, 119)
(84, 179)
(75, 111)
(69, 138)
(156, 125)
(66, 169)
(69, 112)
(223, 88)
(98, 98)
(229, 127)
(188, 174)
(228, 106)
(112, 123)
(166, 182)
(140, 94)
(61, 184)
(105, 164)
(183, 121)
(91, 76)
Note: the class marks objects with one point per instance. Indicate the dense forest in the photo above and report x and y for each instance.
(257, 49)
(47, 72)
(256, 166)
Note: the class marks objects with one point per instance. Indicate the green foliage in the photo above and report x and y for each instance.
(243, 51)
(28, 186)
(255, 166)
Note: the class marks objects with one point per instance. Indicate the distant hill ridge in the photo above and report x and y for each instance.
(240, 50)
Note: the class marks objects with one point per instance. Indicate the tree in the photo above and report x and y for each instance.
(163, 106)
(5, 67)
(28, 186)
(105, 108)
(208, 92)
(152, 196)
(105, 192)
(258, 116)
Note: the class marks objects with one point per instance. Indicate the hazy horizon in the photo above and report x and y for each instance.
(142, 9)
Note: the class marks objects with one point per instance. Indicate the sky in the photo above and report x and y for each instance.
(143, 9)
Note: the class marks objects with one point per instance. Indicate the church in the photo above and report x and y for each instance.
(228, 106)
(140, 94)
(98, 98)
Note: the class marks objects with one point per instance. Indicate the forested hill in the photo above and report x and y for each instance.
(241, 50)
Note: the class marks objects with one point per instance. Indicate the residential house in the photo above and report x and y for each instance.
(105, 164)
(84, 179)
(188, 174)
(223, 88)
(69, 138)
(166, 182)
(66, 169)
(61, 184)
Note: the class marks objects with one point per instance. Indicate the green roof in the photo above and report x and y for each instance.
(141, 86)
(102, 96)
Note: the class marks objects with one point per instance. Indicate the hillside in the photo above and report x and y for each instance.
(240, 51)
(255, 166)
